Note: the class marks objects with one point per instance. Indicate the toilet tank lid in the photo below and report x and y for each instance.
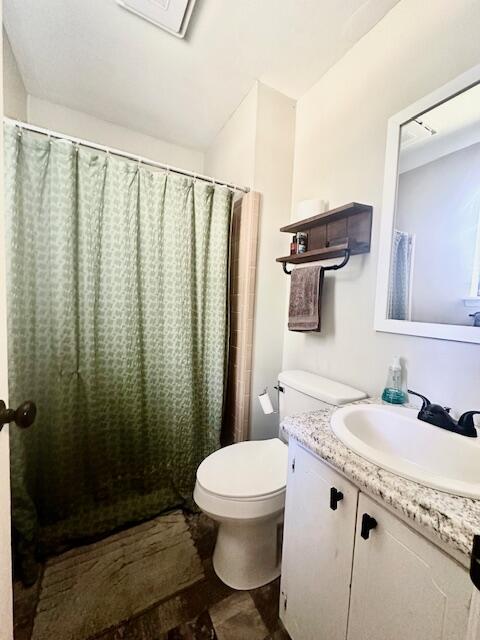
(329, 391)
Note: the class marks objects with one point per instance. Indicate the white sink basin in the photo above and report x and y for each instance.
(394, 439)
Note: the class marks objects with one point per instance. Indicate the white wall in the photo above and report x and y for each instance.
(255, 148)
(81, 125)
(273, 179)
(231, 156)
(15, 95)
(339, 156)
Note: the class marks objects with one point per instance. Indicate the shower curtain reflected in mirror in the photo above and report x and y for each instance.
(399, 301)
(117, 329)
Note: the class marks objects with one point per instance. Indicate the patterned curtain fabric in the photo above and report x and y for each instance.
(117, 330)
(399, 289)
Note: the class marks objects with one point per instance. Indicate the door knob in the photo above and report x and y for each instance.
(23, 416)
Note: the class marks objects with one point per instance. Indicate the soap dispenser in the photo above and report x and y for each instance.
(394, 392)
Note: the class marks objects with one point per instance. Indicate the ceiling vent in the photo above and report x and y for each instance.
(171, 15)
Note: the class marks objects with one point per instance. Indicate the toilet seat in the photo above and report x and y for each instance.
(246, 480)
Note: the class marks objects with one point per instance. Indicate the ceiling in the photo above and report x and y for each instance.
(94, 56)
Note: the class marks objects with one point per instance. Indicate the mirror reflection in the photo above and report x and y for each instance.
(435, 266)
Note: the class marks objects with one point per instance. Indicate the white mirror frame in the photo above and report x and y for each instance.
(458, 333)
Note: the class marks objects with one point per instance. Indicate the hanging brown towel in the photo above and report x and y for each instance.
(305, 299)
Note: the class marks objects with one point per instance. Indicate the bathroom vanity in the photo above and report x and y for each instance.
(367, 554)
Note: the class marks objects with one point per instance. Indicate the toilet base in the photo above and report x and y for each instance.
(248, 553)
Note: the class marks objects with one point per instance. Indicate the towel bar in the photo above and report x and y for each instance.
(333, 267)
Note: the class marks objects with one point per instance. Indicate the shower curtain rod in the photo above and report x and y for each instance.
(123, 154)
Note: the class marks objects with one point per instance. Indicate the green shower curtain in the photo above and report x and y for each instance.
(117, 297)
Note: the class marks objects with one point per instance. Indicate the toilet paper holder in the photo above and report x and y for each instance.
(265, 401)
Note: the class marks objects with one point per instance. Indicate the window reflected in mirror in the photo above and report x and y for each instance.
(435, 265)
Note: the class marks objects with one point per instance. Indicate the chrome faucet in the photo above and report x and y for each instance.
(440, 417)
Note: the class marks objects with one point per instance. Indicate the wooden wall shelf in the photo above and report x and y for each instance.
(335, 251)
(331, 233)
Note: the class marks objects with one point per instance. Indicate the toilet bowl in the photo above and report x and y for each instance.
(242, 487)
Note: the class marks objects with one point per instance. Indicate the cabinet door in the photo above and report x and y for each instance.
(317, 549)
(403, 586)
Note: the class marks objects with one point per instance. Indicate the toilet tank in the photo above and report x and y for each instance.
(301, 392)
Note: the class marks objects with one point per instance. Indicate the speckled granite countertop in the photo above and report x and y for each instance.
(451, 519)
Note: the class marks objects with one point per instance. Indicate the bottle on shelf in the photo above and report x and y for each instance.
(301, 242)
(293, 246)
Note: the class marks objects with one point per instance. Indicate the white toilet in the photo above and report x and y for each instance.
(242, 487)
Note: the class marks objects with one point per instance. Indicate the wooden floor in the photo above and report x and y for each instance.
(154, 581)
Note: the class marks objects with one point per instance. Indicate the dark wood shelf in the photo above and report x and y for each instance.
(332, 232)
(335, 251)
(340, 213)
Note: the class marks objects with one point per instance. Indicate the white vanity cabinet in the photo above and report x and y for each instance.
(389, 584)
(317, 549)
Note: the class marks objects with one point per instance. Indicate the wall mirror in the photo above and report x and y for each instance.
(429, 262)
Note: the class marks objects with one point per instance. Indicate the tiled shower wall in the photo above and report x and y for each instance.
(243, 268)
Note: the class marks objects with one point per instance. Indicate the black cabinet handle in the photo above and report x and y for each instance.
(475, 562)
(335, 497)
(368, 523)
